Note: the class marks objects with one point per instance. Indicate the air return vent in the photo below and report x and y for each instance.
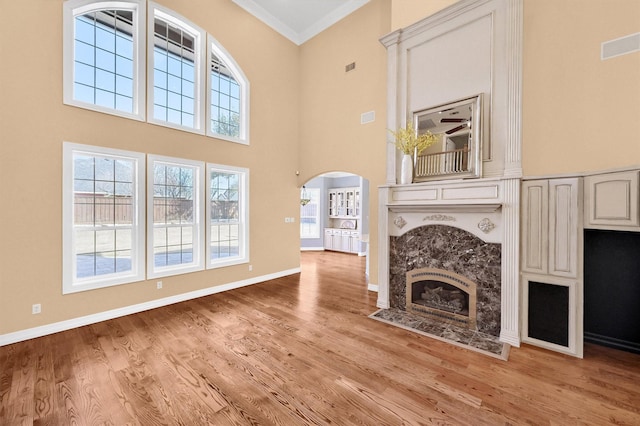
(367, 117)
(620, 46)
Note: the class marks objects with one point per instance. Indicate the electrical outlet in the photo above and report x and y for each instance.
(250, 268)
(36, 308)
(159, 285)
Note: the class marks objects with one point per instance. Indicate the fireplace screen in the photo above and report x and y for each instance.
(442, 295)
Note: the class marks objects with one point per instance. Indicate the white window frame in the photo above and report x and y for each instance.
(71, 284)
(216, 48)
(197, 263)
(168, 15)
(314, 195)
(243, 230)
(73, 8)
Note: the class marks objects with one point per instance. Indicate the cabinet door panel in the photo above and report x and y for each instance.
(612, 199)
(535, 213)
(564, 224)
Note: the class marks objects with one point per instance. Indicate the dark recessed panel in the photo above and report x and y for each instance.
(548, 313)
(612, 288)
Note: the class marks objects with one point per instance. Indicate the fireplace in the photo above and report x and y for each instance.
(461, 273)
(442, 296)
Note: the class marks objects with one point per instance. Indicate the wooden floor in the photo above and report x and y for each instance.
(295, 351)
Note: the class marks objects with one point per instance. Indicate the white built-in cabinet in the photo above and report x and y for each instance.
(343, 203)
(342, 240)
(552, 233)
(611, 201)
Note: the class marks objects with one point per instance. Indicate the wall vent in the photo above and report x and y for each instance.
(367, 117)
(620, 46)
(350, 67)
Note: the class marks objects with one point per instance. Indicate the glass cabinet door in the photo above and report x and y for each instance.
(333, 204)
(350, 202)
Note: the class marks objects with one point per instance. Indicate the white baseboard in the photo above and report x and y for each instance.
(31, 333)
(372, 287)
(311, 248)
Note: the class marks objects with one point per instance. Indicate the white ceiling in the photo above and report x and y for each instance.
(300, 20)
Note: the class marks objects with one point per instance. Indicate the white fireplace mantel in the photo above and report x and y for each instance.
(423, 72)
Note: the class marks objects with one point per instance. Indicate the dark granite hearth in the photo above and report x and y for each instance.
(463, 337)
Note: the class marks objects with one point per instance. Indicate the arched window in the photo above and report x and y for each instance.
(189, 86)
(104, 45)
(228, 96)
(175, 78)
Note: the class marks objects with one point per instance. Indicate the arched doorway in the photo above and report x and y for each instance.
(334, 214)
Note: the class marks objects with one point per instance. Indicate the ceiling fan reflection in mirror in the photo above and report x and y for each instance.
(466, 122)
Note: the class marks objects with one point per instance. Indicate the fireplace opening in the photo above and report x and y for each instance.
(442, 295)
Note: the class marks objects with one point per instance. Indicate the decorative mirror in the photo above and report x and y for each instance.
(458, 150)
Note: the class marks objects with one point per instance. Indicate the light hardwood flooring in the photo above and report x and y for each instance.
(300, 350)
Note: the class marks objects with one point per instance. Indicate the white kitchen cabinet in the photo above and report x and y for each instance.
(332, 196)
(342, 240)
(344, 202)
(331, 239)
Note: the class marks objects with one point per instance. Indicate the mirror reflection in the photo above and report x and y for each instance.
(458, 148)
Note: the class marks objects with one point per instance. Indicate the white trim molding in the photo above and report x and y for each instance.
(32, 333)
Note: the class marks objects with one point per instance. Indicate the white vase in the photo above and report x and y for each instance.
(406, 169)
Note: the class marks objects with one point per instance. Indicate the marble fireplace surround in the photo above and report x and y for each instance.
(466, 227)
(448, 249)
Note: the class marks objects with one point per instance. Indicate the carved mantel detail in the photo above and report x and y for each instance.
(399, 222)
(486, 226)
(440, 218)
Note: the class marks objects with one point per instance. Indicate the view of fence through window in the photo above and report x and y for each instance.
(103, 59)
(174, 226)
(224, 214)
(103, 214)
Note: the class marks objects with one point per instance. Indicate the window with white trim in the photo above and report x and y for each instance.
(104, 44)
(228, 96)
(175, 76)
(188, 86)
(174, 216)
(310, 213)
(227, 219)
(103, 217)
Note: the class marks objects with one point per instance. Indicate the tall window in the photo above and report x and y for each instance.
(227, 229)
(228, 96)
(175, 76)
(310, 213)
(104, 59)
(103, 222)
(174, 216)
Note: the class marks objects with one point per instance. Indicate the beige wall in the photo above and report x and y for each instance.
(332, 100)
(35, 123)
(579, 113)
(407, 12)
